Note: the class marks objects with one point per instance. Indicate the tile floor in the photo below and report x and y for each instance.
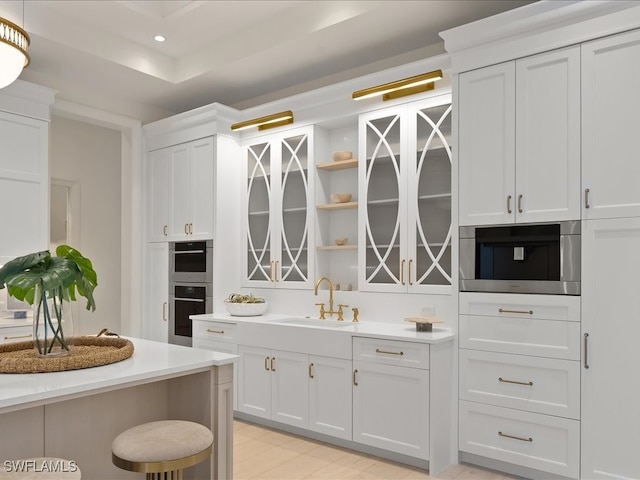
(265, 454)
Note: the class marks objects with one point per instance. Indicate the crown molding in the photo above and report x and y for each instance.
(535, 28)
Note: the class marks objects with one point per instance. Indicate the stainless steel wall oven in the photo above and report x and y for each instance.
(190, 287)
(527, 258)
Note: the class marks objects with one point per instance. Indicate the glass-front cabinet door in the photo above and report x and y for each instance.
(277, 209)
(405, 191)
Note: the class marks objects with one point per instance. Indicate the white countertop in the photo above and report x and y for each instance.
(400, 330)
(150, 361)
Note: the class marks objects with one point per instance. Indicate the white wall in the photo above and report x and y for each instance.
(89, 156)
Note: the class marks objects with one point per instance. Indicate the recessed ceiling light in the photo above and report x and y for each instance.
(159, 38)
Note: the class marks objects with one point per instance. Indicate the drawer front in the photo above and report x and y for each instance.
(391, 352)
(217, 331)
(545, 307)
(540, 385)
(526, 336)
(546, 443)
(16, 334)
(215, 346)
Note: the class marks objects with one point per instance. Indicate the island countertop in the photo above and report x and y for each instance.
(150, 361)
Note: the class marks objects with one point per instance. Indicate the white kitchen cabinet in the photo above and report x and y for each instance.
(519, 140)
(16, 333)
(180, 191)
(519, 379)
(273, 385)
(24, 184)
(610, 102)
(158, 184)
(156, 292)
(277, 208)
(192, 186)
(610, 386)
(391, 402)
(330, 396)
(405, 198)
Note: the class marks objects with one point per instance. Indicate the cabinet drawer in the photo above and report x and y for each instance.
(218, 331)
(391, 352)
(545, 307)
(540, 385)
(543, 442)
(526, 336)
(16, 334)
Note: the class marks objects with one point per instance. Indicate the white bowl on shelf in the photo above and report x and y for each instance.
(246, 309)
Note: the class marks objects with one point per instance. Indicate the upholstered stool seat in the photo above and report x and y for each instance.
(40, 468)
(162, 449)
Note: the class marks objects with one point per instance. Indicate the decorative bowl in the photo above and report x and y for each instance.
(341, 155)
(341, 241)
(341, 197)
(246, 309)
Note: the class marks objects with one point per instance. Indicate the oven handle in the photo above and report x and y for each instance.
(182, 252)
(198, 300)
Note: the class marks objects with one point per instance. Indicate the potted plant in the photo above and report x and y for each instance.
(48, 283)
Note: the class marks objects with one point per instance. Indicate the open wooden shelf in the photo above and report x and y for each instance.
(337, 247)
(337, 206)
(339, 165)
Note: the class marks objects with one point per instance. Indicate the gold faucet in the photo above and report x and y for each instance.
(330, 311)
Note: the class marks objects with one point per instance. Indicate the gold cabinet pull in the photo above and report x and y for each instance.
(500, 379)
(272, 271)
(164, 311)
(219, 332)
(388, 352)
(522, 439)
(586, 354)
(402, 271)
(266, 363)
(355, 377)
(520, 203)
(509, 204)
(275, 273)
(164, 230)
(186, 229)
(311, 370)
(273, 364)
(410, 262)
(15, 337)
(506, 310)
(586, 198)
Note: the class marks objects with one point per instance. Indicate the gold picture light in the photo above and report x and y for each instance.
(400, 88)
(263, 123)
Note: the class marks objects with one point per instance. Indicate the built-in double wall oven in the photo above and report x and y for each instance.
(528, 258)
(190, 287)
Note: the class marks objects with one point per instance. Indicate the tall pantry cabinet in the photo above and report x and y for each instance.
(602, 337)
(610, 257)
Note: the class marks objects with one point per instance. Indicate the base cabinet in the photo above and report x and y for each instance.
(304, 391)
(390, 402)
(155, 325)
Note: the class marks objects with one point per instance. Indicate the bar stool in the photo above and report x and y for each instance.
(162, 449)
(39, 468)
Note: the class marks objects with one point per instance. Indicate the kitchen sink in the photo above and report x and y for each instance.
(313, 322)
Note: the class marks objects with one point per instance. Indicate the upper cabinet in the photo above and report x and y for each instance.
(405, 198)
(24, 184)
(610, 105)
(277, 210)
(181, 191)
(519, 140)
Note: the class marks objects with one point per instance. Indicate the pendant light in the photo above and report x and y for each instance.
(14, 43)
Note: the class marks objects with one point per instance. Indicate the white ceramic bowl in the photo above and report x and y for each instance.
(246, 309)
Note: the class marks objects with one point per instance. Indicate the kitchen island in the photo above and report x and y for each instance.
(77, 414)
